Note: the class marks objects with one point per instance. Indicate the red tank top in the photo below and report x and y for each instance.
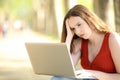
(103, 61)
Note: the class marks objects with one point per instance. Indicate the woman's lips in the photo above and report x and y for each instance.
(81, 35)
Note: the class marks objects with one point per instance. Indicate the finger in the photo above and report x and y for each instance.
(67, 25)
(79, 71)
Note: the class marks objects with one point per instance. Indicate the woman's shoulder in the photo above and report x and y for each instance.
(114, 40)
(114, 36)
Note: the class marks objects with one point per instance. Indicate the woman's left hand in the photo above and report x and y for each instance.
(84, 74)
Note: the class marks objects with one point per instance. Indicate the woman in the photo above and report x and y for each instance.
(92, 41)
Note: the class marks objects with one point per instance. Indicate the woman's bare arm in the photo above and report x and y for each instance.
(76, 51)
(75, 46)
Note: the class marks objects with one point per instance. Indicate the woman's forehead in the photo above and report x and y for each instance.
(74, 20)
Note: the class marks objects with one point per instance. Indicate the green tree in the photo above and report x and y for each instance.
(117, 14)
(101, 8)
(44, 16)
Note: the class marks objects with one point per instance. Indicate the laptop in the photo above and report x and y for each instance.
(52, 59)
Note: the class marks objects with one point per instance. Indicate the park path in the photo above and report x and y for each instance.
(14, 61)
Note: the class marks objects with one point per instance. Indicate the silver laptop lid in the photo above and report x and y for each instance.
(50, 59)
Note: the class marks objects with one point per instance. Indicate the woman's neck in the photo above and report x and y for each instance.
(95, 38)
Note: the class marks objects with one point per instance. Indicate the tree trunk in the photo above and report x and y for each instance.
(101, 9)
(50, 18)
(46, 19)
(117, 14)
(66, 5)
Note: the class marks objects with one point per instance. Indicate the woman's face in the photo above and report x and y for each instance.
(79, 27)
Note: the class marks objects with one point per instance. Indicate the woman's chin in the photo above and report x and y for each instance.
(84, 37)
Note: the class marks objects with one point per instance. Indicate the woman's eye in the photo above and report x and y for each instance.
(79, 24)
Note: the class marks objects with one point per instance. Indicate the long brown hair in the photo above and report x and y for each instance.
(91, 19)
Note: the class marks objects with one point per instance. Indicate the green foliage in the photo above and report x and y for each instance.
(16, 8)
(87, 3)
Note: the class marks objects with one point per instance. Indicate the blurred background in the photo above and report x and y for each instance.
(40, 21)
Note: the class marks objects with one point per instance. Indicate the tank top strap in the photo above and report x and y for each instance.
(84, 47)
(106, 38)
(107, 34)
(84, 44)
